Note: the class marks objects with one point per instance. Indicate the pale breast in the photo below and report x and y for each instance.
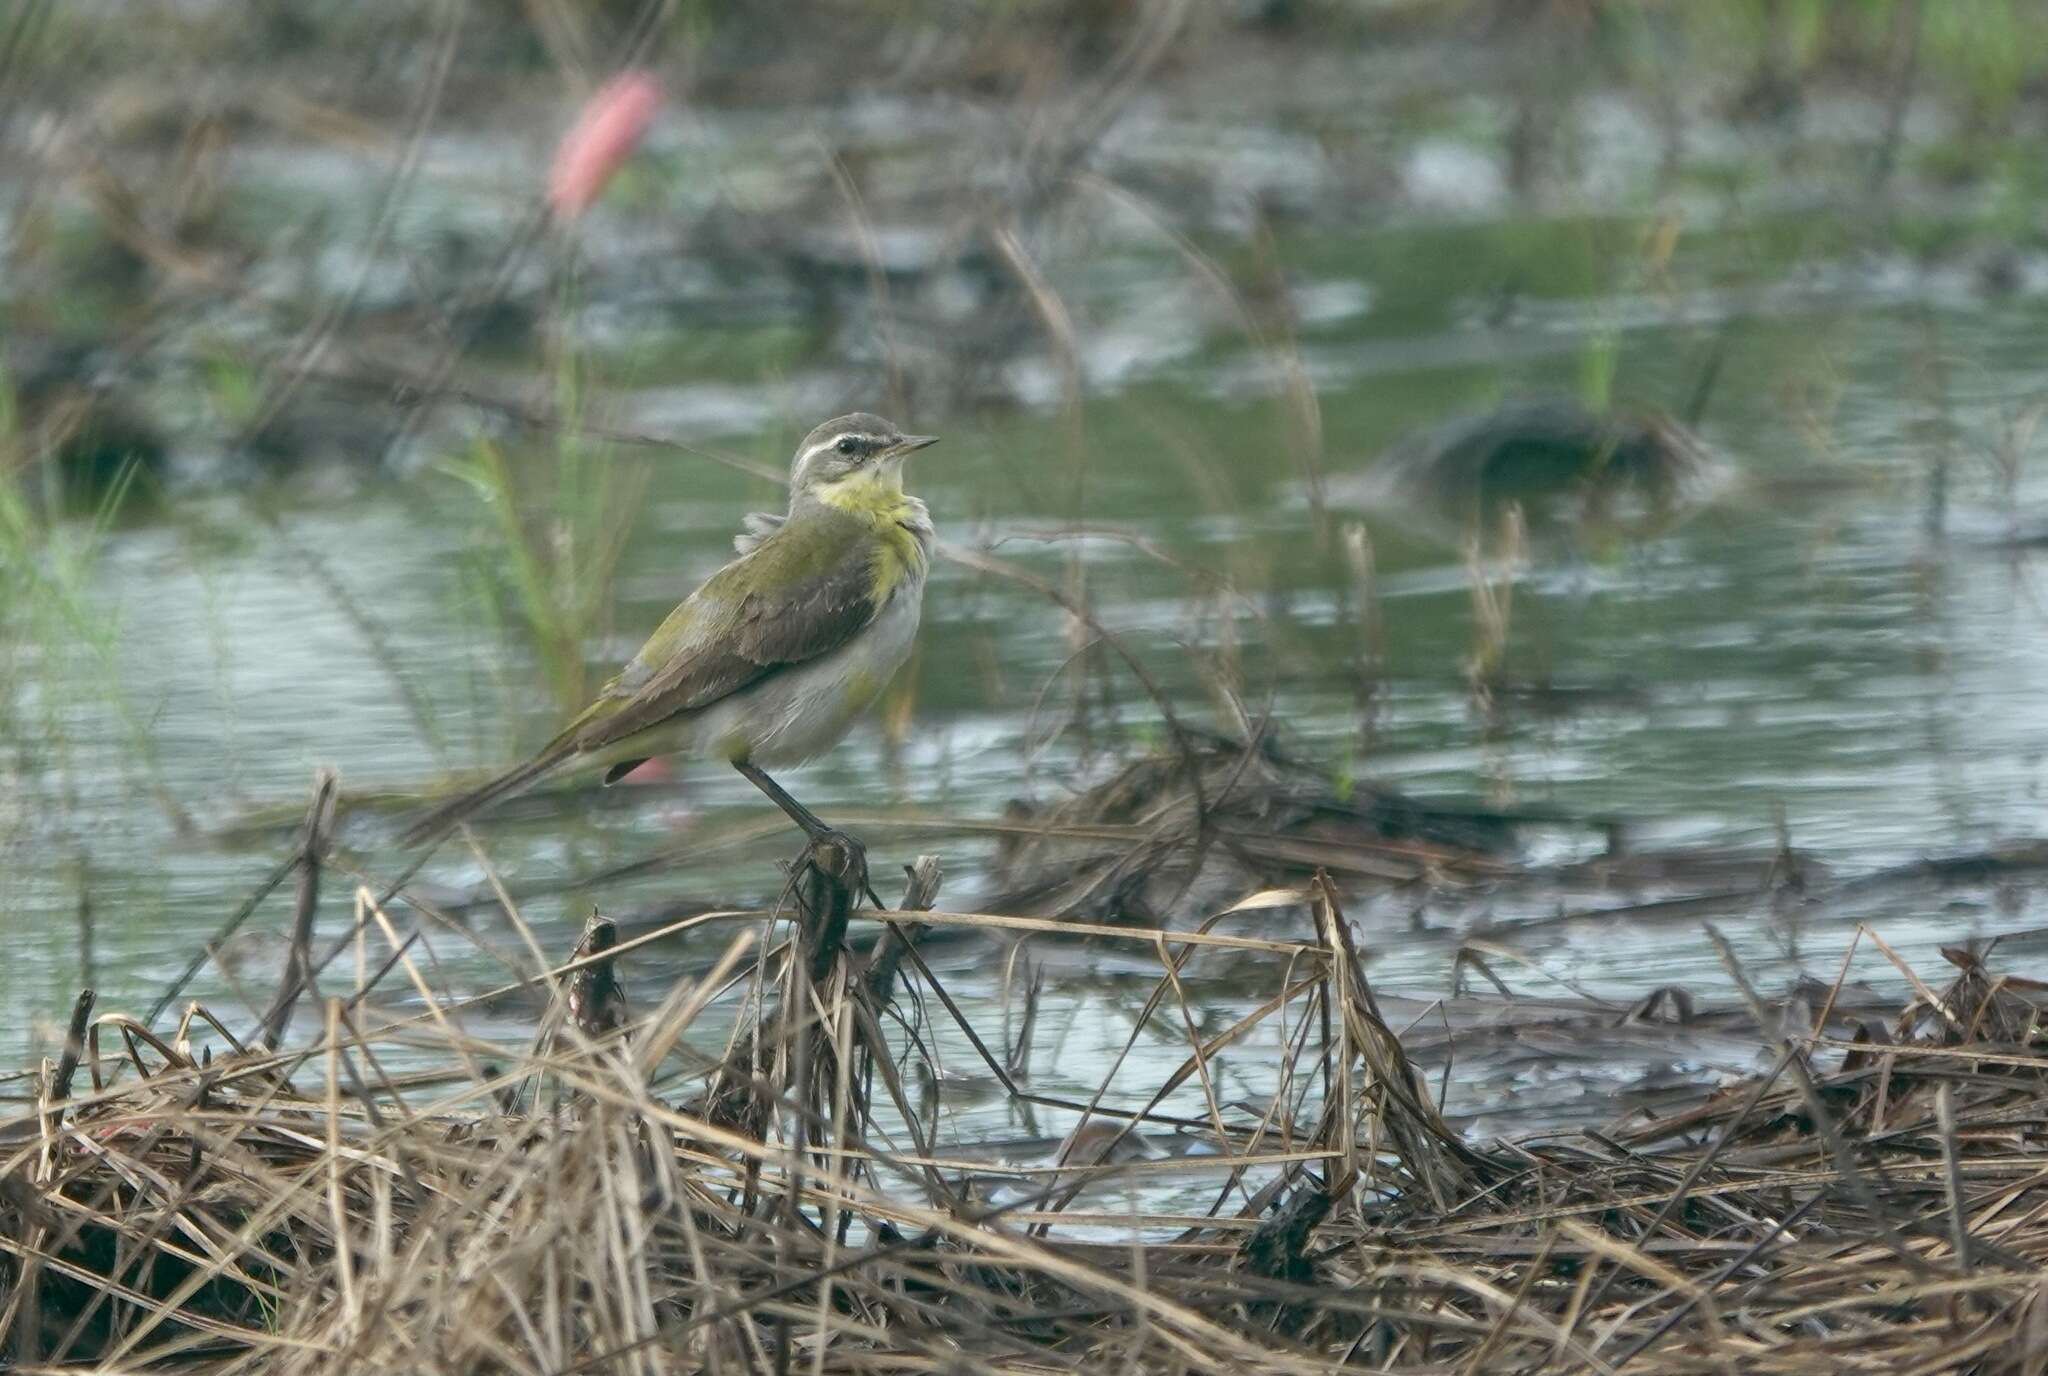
(800, 712)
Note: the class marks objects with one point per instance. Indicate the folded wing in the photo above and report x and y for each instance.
(801, 592)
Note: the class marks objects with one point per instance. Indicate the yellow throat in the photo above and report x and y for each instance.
(876, 497)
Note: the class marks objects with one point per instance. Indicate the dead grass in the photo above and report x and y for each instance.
(621, 1198)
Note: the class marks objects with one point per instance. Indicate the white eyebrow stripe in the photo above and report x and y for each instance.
(829, 446)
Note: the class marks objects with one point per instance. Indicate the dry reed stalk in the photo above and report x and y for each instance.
(1864, 1206)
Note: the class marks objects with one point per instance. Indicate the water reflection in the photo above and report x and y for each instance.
(1801, 669)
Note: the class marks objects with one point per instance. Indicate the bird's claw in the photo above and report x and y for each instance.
(838, 856)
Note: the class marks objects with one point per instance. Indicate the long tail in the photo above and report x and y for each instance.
(444, 818)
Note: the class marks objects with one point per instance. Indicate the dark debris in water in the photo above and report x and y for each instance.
(1170, 831)
(72, 408)
(1556, 460)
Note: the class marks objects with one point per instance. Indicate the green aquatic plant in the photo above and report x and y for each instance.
(233, 388)
(553, 551)
(1986, 51)
(1598, 359)
(558, 516)
(1491, 577)
(59, 641)
(1783, 37)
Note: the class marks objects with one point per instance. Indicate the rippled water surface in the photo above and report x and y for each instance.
(1813, 658)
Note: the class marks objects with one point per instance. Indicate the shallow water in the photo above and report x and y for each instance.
(1807, 657)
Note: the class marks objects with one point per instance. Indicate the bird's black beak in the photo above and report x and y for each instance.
(910, 444)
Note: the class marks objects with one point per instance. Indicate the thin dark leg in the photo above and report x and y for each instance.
(812, 827)
(796, 811)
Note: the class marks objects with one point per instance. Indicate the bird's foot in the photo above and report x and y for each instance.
(838, 857)
(829, 879)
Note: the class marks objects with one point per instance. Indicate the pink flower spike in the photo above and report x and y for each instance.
(610, 127)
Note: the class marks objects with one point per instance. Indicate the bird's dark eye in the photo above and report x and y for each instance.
(847, 444)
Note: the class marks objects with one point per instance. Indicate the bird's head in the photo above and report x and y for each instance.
(854, 462)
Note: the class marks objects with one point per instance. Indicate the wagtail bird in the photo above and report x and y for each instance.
(773, 657)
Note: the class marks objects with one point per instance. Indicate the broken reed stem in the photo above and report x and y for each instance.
(220, 938)
(920, 892)
(87, 963)
(298, 974)
(74, 1046)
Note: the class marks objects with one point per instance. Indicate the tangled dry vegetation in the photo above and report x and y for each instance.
(628, 1197)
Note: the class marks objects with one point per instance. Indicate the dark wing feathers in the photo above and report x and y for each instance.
(803, 591)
